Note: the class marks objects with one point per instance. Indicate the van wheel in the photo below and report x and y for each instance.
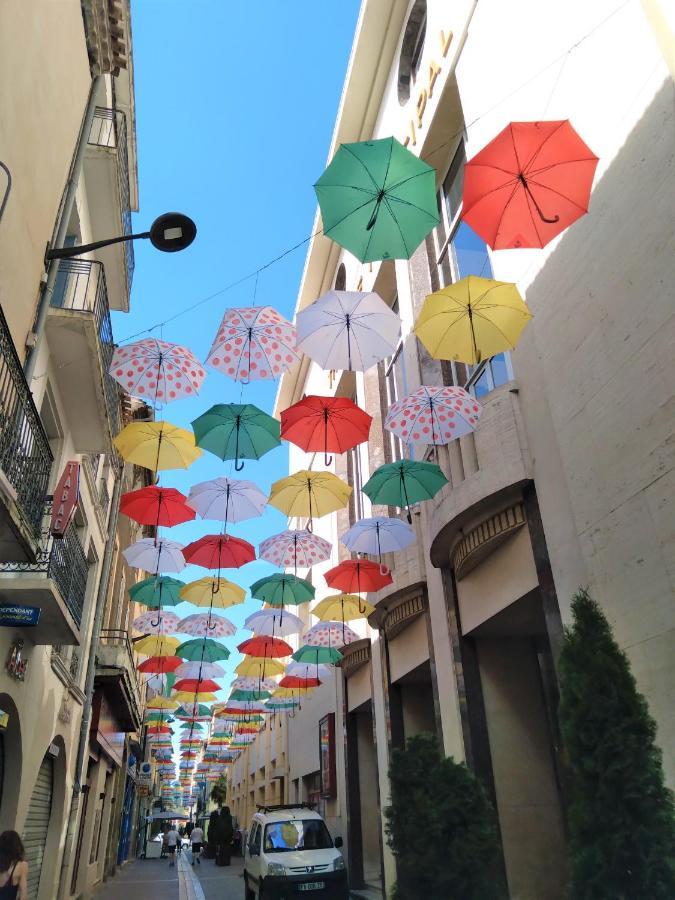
(248, 893)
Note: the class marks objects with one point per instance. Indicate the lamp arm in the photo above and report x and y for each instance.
(67, 252)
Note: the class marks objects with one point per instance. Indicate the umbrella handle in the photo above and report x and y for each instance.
(541, 215)
(238, 465)
(376, 210)
(327, 460)
(384, 570)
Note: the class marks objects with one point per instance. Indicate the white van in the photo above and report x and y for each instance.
(290, 854)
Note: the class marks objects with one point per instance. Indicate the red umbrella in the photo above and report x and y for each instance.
(160, 665)
(156, 506)
(528, 184)
(356, 575)
(294, 681)
(261, 645)
(328, 424)
(159, 729)
(219, 551)
(194, 684)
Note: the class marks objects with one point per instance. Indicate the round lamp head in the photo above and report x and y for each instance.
(172, 232)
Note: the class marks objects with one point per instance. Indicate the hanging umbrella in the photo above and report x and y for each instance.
(378, 535)
(202, 650)
(156, 506)
(156, 646)
(303, 670)
(355, 576)
(348, 330)
(343, 608)
(158, 683)
(253, 342)
(281, 704)
(196, 685)
(433, 415)
(199, 669)
(219, 551)
(156, 623)
(404, 482)
(157, 445)
(160, 702)
(249, 695)
(191, 726)
(528, 184)
(216, 593)
(236, 431)
(274, 622)
(471, 320)
(159, 729)
(293, 682)
(159, 665)
(300, 549)
(246, 683)
(191, 696)
(254, 667)
(248, 706)
(227, 499)
(328, 424)
(316, 655)
(197, 712)
(155, 555)
(310, 494)
(158, 591)
(267, 647)
(377, 199)
(330, 634)
(157, 370)
(282, 589)
(206, 625)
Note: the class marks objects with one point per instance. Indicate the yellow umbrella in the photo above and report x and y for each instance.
(157, 445)
(219, 593)
(256, 667)
(160, 702)
(190, 696)
(471, 320)
(157, 645)
(292, 692)
(342, 608)
(310, 494)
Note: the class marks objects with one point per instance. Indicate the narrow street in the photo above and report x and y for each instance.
(152, 879)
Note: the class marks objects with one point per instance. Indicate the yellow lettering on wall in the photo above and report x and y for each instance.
(445, 42)
(411, 137)
(434, 70)
(421, 106)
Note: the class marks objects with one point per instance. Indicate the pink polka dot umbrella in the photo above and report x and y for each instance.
(433, 415)
(300, 549)
(156, 622)
(156, 370)
(330, 634)
(253, 343)
(206, 625)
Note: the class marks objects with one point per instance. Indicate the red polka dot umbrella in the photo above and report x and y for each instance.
(156, 370)
(300, 549)
(252, 343)
(433, 415)
(330, 634)
(206, 625)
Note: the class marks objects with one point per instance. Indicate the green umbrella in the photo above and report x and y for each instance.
(239, 694)
(158, 716)
(191, 726)
(316, 655)
(236, 431)
(202, 650)
(202, 710)
(378, 200)
(404, 482)
(158, 591)
(282, 589)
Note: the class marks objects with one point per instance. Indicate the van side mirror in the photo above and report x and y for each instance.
(338, 842)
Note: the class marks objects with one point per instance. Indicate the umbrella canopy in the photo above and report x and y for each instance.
(348, 330)
(404, 482)
(206, 625)
(264, 646)
(357, 575)
(156, 646)
(155, 555)
(156, 622)
(216, 593)
(159, 665)
(274, 622)
(377, 199)
(156, 506)
(342, 608)
(253, 667)
(160, 702)
(196, 685)
(202, 650)
(249, 695)
(471, 320)
(227, 499)
(281, 704)
(198, 669)
(378, 535)
(219, 551)
(316, 655)
(236, 431)
(157, 445)
(328, 424)
(247, 706)
(330, 634)
(197, 712)
(247, 683)
(305, 670)
(433, 415)
(528, 184)
(253, 343)
(300, 549)
(192, 696)
(293, 682)
(310, 494)
(157, 370)
(282, 589)
(158, 591)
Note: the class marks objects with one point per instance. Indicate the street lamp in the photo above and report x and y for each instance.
(170, 233)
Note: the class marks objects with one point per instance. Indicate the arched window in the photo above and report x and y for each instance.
(411, 50)
(341, 278)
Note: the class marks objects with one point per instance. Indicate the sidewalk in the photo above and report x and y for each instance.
(149, 879)
(219, 882)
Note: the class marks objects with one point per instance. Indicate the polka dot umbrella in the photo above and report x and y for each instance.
(252, 343)
(330, 634)
(157, 370)
(206, 625)
(433, 415)
(300, 549)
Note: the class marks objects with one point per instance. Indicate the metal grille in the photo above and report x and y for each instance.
(25, 455)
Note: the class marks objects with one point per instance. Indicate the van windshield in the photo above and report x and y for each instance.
(297, 834)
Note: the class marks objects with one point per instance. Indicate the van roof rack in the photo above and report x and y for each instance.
(278, 806)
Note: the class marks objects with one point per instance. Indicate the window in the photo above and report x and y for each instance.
(393, 387)
(297, 834)
(341, 278)
(254, 839)
(411, 49)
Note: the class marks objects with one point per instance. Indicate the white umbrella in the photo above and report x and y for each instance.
(199, 670)
(378, 535)
(330, 634)
(308, 670)
(227, 499)
(348, 330)
(275, 622)
(433, 415)
(159, 556)
(247, 683)
(156, 622)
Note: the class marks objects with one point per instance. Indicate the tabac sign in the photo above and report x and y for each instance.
(66, 497)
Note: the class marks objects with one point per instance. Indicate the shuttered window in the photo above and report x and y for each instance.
(37, 823)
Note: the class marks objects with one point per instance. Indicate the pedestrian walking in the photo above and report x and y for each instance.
(196, 839)
(172, 839)
(13, 868)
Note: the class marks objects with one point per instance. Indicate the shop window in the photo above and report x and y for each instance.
(411, 50)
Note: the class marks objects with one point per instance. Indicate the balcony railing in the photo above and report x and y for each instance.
(25, 455)
(80, 286)
(109, 129)
(119, 639)
(115, 652)
(103, 496)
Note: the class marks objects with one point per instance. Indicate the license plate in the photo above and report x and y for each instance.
(312, 886)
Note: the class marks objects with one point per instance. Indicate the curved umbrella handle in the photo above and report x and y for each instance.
(327, 460)
(361, 610)
(384, 570)
(237, 466)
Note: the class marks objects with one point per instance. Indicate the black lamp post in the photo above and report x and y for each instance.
(170, 233)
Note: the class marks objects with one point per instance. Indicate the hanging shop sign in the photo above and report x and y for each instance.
(145, 774)
(327, 756)
(66, 498)
(23, 616)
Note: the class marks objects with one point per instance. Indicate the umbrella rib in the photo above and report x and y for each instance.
(396, 222)
(489, 321)
(541, 146)
(545, 187)
(365, 167)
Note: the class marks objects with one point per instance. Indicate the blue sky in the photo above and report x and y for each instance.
(235, 107)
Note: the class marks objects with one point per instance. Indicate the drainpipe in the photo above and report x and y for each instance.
(89, 683)
(61, 229)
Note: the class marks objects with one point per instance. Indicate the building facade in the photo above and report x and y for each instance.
(68, 177)
(568, 479)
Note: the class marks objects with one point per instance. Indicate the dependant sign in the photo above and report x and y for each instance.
(66, 498)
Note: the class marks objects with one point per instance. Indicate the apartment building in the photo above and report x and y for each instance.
(568, 479)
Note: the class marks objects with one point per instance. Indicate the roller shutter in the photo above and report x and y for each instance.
(37, 823)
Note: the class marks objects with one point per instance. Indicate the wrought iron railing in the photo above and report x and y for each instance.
(109, 129)
(80, 286)
(25, 455)
(117, 637)
(103, 495)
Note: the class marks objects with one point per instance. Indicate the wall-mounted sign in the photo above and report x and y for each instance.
(327, 755)
(66, 498)
(24, 616)
(145, 774)
(16, 665)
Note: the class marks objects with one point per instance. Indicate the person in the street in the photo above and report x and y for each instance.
(212, 835)
(13, 867)
(196, 839)
(225, 834)
(172, 838)
(188, 828)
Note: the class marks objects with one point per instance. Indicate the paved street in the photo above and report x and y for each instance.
(152, 879)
